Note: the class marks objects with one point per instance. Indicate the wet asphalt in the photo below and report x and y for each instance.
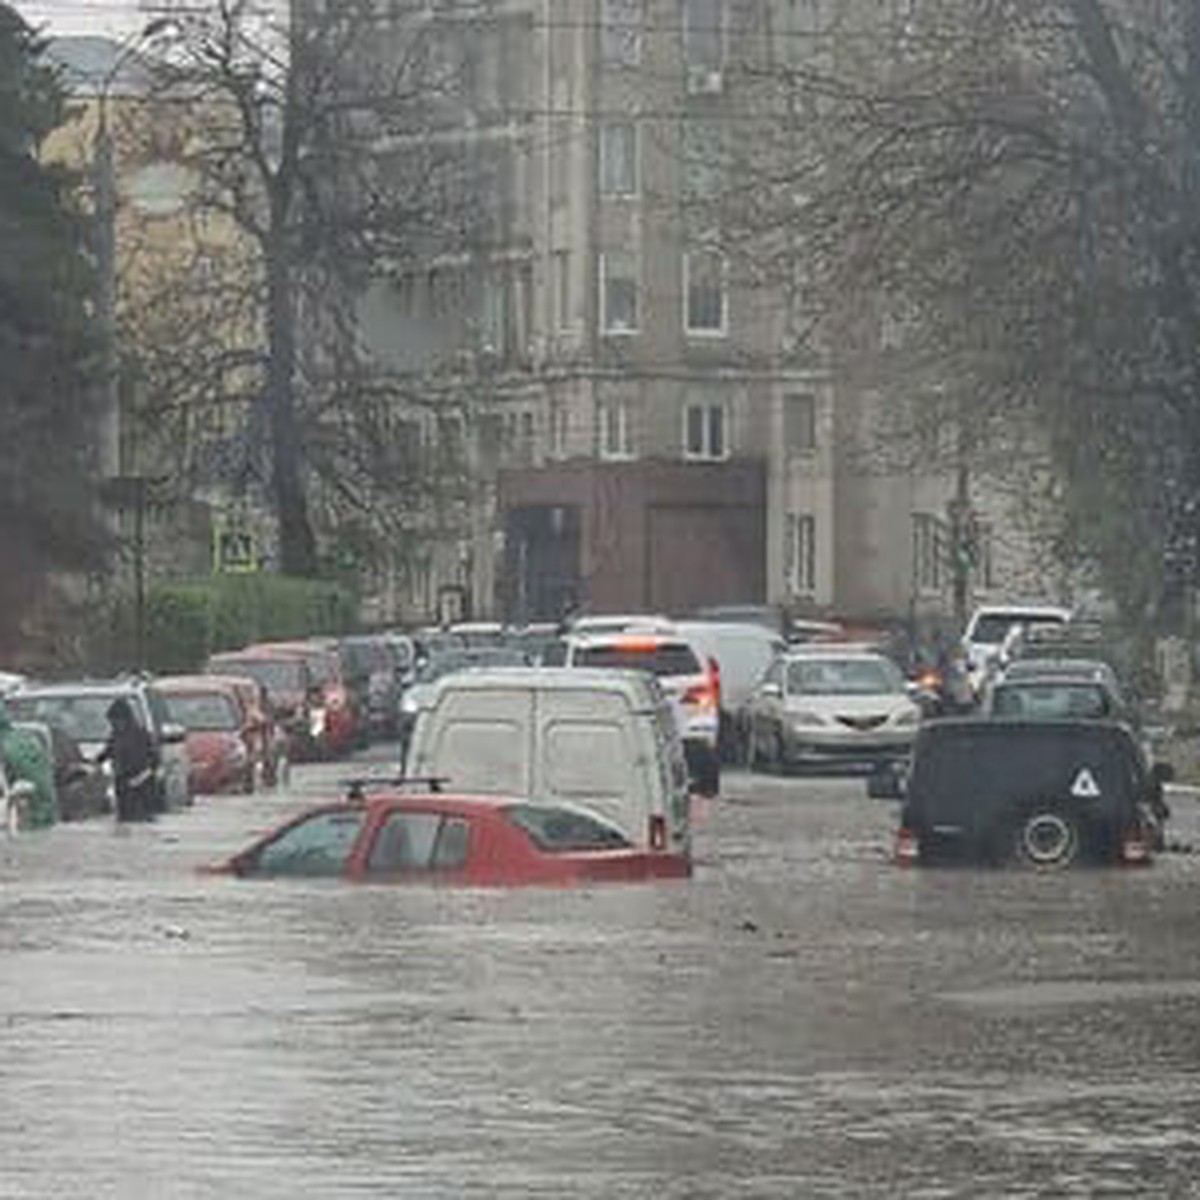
(800, 1019)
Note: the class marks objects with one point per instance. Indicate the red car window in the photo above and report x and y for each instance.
(418, 841)
(562, 830)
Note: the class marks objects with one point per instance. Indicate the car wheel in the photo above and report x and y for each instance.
(1047, 838)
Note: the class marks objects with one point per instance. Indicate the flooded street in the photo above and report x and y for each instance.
(801, 1019)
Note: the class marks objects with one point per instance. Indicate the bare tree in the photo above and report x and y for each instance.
(1013, 186)
(279, 124)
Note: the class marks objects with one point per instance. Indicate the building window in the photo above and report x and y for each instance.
(800, 553)
(559, 429)
(618, 158)
(621, 35)
(926, 553)
(612, 430)
(705, 433)
(493, 315)
(704, 39)
(800, 423)
(562, 289)
(618, 293)
(704, 289)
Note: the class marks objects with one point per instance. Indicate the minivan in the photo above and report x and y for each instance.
(599, 739)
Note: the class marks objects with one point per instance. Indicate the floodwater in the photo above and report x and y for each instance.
(801, 1019)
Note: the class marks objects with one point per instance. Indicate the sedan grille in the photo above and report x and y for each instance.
(863, 724)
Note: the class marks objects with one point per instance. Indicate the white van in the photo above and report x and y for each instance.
(605, 740)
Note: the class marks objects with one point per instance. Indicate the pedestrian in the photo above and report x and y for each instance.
(25, 758)
(134, 764)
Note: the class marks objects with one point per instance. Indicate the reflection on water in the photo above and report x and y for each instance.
(800, 1020)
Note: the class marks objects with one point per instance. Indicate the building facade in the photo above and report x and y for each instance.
(645, 424)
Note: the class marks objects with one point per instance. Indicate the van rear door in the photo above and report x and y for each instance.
(478, 739)
(589, 755)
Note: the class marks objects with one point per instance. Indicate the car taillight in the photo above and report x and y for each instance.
(658, 832)
(1134, 848)
(701, 695)
(907, 849)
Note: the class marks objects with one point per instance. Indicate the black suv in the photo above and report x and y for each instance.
(1044, 793)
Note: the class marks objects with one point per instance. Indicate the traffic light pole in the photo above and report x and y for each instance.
(961, 521)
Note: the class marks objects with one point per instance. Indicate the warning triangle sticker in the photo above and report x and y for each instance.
(1085, 785)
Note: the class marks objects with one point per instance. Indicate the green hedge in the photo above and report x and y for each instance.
(187, 621)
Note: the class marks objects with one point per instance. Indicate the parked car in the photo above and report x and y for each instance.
(1047, 794)
(540, 643)
(371, 661)
(743, 653)
(690, 680)
(1064, 668)
(265, 740)
(220, 733)
(1080, 697)
(81, 787)
(993, 624)
(768, 616)
(605, 740)
(479, 635)
(334, 715)
(296, 701)
(436, 839)
(80, 709)
(599, 624)
(826, 705)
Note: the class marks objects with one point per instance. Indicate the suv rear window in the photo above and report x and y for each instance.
(560, 830)
(671, 658)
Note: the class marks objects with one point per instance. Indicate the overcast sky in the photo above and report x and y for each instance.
(114, 17)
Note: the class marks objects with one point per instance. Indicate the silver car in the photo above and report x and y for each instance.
(829, 705)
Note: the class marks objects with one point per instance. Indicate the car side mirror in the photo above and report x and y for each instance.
(1162, 772)
(173, 734)
(885, 783)
(771, 689)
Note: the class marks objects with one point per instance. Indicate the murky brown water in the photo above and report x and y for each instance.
(802, 1019)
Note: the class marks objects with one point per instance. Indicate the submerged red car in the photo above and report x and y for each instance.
(468, 841)
(219, 750)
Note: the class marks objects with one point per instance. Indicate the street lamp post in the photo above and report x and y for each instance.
(104, 182)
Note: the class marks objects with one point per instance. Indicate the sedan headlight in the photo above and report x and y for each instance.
(908, 718)
(807, 717)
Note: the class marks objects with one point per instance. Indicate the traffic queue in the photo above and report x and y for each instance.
(613, 725)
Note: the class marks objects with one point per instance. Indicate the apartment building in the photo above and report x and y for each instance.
(643, 421)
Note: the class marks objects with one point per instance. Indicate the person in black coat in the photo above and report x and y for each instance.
(134, 764)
